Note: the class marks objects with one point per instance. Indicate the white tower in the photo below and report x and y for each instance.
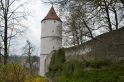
(51, 36)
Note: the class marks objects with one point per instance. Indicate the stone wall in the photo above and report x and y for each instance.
(109, 45)
(106, 46)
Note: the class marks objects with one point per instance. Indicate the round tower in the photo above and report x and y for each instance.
(51, 36)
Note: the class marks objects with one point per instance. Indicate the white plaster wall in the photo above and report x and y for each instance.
(50, 44)
(51, 28)
(51, 39)
(42, 65)
(51, 34)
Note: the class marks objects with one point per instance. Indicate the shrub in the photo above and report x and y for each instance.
(97, 63)
(55, 66)
(12, 73)
(35, 79)
(16, 73)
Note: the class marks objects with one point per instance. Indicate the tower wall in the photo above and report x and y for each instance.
(51, 39)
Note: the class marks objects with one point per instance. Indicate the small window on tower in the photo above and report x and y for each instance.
(53, 47)
(52, 30)
(54, 21)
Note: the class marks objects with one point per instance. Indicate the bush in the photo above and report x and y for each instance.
(35, 79)
(97, 63)
(16, 73)
(12, 73)
(121, 79)
(57, 60)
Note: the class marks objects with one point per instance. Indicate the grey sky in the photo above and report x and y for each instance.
(37, 11)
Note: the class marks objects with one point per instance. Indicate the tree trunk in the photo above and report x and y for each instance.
(5, 41)
(29, 57)
(116, 18)
(90, 31)
(108, 16)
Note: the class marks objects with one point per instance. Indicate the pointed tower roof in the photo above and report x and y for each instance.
(51, 15)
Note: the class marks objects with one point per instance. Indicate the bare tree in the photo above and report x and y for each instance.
(122, 1)
(0, 53)
(84, 17)
(10, 18)
(28, 51)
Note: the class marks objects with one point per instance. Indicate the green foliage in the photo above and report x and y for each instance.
(91, 71)
(56, 63)
(97, 63)
(12, 73)
(16, 73)
(35, 79)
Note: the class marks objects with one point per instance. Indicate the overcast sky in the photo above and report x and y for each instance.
(38, 10)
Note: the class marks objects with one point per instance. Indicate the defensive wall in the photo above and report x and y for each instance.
(106, 46)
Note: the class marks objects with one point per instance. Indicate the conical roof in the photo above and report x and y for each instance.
(51, 15)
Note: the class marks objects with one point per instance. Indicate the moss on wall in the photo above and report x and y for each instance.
(55, 66)
(89, 71)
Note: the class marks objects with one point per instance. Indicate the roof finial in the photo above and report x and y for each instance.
(52, 3)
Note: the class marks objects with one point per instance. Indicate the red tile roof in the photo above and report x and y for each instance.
(51, 15)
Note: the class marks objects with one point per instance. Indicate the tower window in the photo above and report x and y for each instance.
(54, 21)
